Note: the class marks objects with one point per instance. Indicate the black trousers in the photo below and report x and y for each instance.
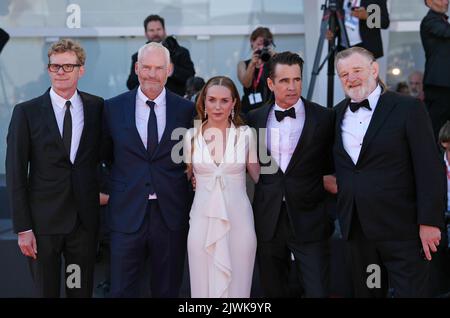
(437, 100)
(401, 263)
(311, 260)
(78, 249)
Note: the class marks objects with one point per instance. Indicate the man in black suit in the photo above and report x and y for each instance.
(435, 35)
(359, 32)
(289, 209)
(391, 181)
(51, 168)
(182, 66)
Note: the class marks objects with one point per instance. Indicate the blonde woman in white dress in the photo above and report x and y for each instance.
(218, 152)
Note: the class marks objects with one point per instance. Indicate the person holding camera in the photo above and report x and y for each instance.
(253, 73)
(182, 65)
(356, 15)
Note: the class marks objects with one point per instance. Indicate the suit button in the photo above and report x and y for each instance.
(357, 171)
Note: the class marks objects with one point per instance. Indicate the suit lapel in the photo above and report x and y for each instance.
(381, 112)
(129, 113)
(261, 125)
(171, 119)
(87, 118)
(50, 121)
(308, 130)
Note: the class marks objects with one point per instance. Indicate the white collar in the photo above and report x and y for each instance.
(60, 101)
(299, 107)
(373, 97)
(159, 100)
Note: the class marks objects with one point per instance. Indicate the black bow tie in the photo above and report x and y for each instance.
(355, 106)
(279, 114)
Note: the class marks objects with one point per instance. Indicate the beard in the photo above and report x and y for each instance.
(414, 93)
(361, 91)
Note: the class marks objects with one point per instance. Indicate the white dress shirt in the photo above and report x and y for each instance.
(76, 110)
(354, 125)
(143, 113)
(283, 136)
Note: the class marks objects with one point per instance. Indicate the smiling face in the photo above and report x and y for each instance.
(65, 83)
(358, 75)
(218, 103)
(286, 84)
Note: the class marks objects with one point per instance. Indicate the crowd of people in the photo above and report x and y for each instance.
(173, 171)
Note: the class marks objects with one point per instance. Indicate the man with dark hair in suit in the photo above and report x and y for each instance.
(359, 32)
(391, 182)
(182, 65)
(435, 35)
(289, 203)
(149, 197)
(51, 168)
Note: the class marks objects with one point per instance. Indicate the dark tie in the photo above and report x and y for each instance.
(279, 114)
(152, 129)
(355, 106)
(67, 128)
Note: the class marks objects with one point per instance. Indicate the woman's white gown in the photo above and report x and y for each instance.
(221, 239)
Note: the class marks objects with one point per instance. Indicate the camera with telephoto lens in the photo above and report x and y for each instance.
(264, 53)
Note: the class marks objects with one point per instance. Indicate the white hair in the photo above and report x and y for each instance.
(154, 46)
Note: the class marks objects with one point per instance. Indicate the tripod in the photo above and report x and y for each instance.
(332, 19)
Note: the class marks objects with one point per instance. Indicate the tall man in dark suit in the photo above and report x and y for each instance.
(182, 66)
(391, 181)
(149, 196)
(359, 32)
(51, 163)
(289, 209)
(435, 35)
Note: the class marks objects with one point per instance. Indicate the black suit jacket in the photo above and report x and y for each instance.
(302, 182)
(183, 69)
(435, 35)
(371, 38)
(46, 191)
(399, 180)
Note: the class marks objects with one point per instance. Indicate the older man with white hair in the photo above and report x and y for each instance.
(391, 181)
(149, 193)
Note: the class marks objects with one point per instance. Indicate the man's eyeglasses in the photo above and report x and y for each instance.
(66, 67)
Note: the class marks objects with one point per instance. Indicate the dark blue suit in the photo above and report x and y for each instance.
(142, 227)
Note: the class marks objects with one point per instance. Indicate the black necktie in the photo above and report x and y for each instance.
(67, 128)
(355, 106)
(152, 129)
(279, 114)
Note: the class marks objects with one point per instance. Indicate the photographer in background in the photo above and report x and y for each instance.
(253, 73)
(182, 65)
